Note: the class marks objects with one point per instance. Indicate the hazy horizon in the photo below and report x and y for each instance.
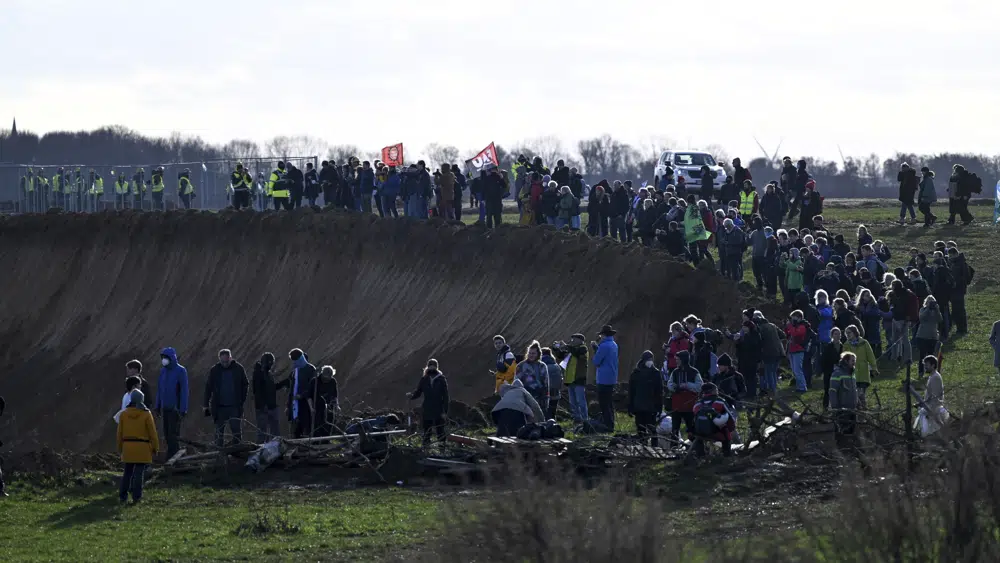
(853, 77)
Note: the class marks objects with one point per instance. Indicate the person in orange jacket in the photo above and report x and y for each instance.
(137, 444)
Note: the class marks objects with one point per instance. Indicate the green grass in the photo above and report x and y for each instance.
(84, 522)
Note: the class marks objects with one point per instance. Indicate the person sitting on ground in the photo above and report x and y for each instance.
(515, 408)
(137, 444)
(713, 420)
(433, 387)
(645, 397)
(844, 396)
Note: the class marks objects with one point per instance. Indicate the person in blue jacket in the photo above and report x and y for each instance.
(390, 191)
(606, 362)
(171, 398)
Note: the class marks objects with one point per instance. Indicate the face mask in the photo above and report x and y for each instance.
(649, 363)
(165, 362)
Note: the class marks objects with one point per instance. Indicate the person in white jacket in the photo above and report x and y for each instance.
(132, 383)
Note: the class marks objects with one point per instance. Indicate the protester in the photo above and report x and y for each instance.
(934, 386)
(515, 408)
(226, 390)
(606, 362)
(684, 384)
(793, 269)
(506, 364)
(845, 396)
(534, 374)
(554, 375)
(901, 301)
(137, 444)
(730, 382)
(772, 350)
(576, 377)
(927, 335)
(172, 396)
(907, 178)
(830, 358)
(598, 208)
(299, 383)
(866, 365)
(995, 344)
(131, 383)
(962, 274)
(712, 421)
(433, 387)
(645, 397)
(265, 399)
(798, 330)
(324, 399)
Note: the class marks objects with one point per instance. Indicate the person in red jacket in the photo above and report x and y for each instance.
(679, 342)
(797, 331)
(685, 385)
(713, 420)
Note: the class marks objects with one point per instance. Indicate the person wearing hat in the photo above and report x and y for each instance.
(137, 444)
(277, 187)
(299, 383)
(172, 395)
(731, 383)
(156, 188)
(645, 396)
(713, 420)
(606, 362)
(576, 377)
(138, 188)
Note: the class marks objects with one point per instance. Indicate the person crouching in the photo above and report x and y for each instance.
(712, 421)
(137, 444)
(515, 408)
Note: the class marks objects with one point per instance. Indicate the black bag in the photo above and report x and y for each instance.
(551, 431)
(530, 431)
(703, 421)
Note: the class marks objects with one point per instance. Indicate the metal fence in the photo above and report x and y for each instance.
(211, 180)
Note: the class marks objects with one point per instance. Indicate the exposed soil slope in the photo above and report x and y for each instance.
(375, 298)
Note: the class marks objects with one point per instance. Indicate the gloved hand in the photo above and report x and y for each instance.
(208, 411)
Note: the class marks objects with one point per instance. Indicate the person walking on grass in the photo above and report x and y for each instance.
(137, 444)
(606, 362)
(927, 196)
(433, 388)
(907, 178)
(865, 363)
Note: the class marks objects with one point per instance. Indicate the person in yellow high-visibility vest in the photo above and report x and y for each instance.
(43, 190)
(748, 200)
(240, 183)
(277, 187)
(156, 187)
(96, 192)
(185, 189)
(58, 197)
(72, 190)
(138, 188)
(121, 190)
(28, 191)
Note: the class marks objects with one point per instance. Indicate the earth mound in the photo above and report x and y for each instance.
(374, 298)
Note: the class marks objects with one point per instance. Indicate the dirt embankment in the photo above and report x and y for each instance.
(82, 294)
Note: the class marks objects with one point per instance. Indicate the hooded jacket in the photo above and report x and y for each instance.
(843, 388)
(606, 361)
(506, 367)
(515, 397)
(433, 387)
(576, 368)
(172, 391)
(907, 185)
(645, 389)
(535, 378)
(137, 439)
(222, 390)
(928, 193)
(265, 394)
(865, 364)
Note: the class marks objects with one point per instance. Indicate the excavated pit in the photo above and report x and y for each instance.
(82, 294)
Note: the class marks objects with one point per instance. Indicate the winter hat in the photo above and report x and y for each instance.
(749, 313)
(684, 357)
(432, 364)
(725, 360)
(709, 389)
(546, 178)
(647, 355)
(579, 336)
(137, 399)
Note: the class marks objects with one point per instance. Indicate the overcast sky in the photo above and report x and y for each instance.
(864, 75)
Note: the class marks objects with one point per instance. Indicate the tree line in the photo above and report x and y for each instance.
(597, 158)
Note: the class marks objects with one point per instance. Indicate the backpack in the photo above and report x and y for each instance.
(977, 183)
(530, 431)
(551, 431)
(972, 272)
(704, 421)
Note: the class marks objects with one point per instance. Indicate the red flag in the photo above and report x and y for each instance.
(485, 156)
(393, 155)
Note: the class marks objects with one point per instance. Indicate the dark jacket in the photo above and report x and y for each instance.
(493, 188)
(598, 207)
(550, 203)
(561, 175)
(732, 385)
(645, 390)
(306, 375)
(771, 208)
(960, 271)
(740, 174)
(812, 205)
(620, 203)
(433, 387)
(296, 180)
(907, 185)
(226, 387)
(732, 243)
(730, 191)
(265, 391)
(311, 179)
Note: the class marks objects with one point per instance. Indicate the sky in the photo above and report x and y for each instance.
(820, 78)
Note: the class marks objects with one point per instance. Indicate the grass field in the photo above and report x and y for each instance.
(80, 520)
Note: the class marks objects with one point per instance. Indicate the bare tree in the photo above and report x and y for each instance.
(241, 150)
(652, 147)
(871, 171)
(721, 156)
(548, 147)
(340, 153)
(606, 156)
(298, 145)
(440, 154)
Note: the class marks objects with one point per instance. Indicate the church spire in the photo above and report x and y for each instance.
(13, 128)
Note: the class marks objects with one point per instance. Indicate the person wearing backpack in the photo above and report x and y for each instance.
(772, 350)
(866, 365)
(685, 385)
(645, 397)
(962, 273)
(961, 186)
(713, 420)
(797, 331)
(731, 383)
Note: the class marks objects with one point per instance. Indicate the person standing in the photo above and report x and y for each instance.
(962, 274)
(241, 182)
(645, 397)
(137, 444)
(506, 363)
(576, 377)
(926, 335)
(311, 188)
(299, 383)
(329, 180)
(156, 188)
(446, 182)
(556, 374)
(277, 187)
(296, 186)
(265, 399)
(325, 399)
(389, 192)
(684, 384)
(771, 352)
(844, 396)
(606, 362)
(185, 189)
(995, 344)
(433, 387)
(534, 374)
(225, 396)
(172, 395)
(907, 178)
(865, 363)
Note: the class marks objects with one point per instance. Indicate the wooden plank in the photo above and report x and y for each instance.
(176, 456)
(344, 437)
(464, 440)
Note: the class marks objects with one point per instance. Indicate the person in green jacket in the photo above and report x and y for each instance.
(866, 365)
(576, 375)
(793, 267)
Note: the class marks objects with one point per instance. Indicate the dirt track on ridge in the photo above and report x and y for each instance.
(375, 298)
